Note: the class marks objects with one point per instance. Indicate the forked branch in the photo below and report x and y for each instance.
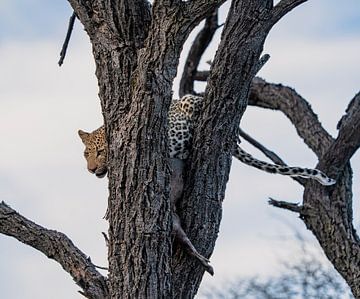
(56, 246)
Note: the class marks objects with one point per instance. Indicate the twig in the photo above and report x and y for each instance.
(96, 266)
(67, 38)
(268, 153)
(102, 268)
(106, 238)
(294, 207)
(201, 75)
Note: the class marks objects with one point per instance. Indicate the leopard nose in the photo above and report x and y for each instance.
(92, 168)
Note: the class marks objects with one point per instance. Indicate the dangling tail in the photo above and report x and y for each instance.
(284, 170)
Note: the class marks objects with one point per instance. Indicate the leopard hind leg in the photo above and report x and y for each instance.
(176, 191)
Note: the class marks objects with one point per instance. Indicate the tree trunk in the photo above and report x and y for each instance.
(136, 63)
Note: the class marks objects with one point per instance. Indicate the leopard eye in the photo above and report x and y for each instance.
(86, 154)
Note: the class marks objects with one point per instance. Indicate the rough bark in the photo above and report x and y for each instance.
(136, 63)
(234, 67)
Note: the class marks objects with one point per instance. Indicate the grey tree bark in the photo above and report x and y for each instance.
(136, 49)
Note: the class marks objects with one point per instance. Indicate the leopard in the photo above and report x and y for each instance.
(182, 119)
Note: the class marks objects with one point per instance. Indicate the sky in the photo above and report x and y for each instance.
(314, 49)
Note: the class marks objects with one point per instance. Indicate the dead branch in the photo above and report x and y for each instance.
(268, 153)
(201, 42)
(294, 207)
(67, 39)
(56, 246)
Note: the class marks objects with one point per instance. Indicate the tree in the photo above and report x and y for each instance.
(136, 55)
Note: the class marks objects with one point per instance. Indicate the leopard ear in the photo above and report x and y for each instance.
(83, 135)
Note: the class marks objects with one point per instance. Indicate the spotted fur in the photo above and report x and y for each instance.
(182, 119)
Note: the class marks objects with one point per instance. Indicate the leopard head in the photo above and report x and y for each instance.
(95, 151)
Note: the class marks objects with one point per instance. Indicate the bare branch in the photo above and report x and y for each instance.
(106, 239)
(296, 108)
(67, 38)
(283, 7)
(268, 153)
(294, 207)
(201, 42)
(201, 75)
(56, 246)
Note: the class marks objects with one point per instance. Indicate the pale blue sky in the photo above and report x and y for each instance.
(43, 175)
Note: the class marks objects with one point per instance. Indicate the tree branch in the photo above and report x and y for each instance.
(201, 75)
(294, 207)
(67, 38)
(296, 108)
(199, 45)
(347, 142)
(56, 246)
(268, 153)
